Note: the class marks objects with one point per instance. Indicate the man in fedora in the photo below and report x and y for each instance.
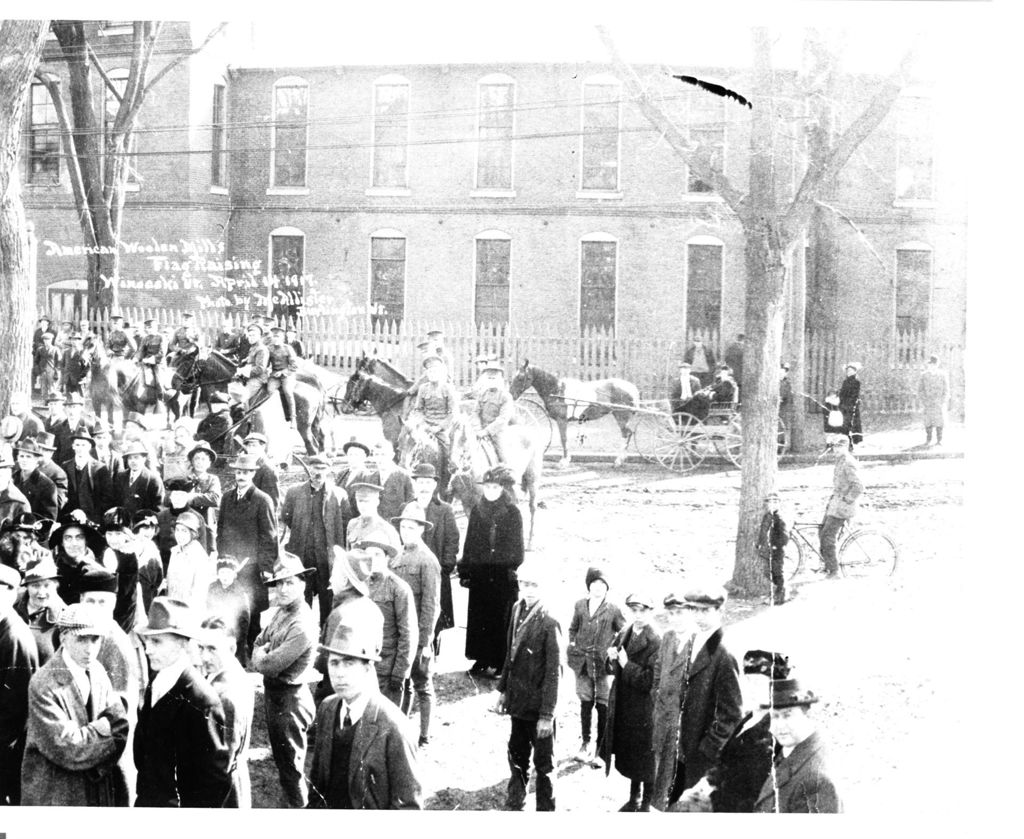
(442, 538)
(418, 566)
(355, 469)
(40, 491)
(13, 503)
(181, 752)
(367, 505)
(77, 725)
(363, 757)
(19, 659)
(316, 514)
(137, 487)
(247, 529)
(694, 672)
(283, 653)
(105, 455)
(800, 781)
(265, 479)
(217, 648)
(49, 467)
(90, 486)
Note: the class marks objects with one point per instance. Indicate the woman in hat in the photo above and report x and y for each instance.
(78, 549)
(490, 556)
(173, 453)
(189, 570)
(39, 606)
(145, 524)
(849, 403)
(630, 660)
(205, 493)
(120, 556)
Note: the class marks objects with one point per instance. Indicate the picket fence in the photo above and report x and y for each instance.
(890, 373)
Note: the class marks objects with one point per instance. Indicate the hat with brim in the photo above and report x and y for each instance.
(413, 512)
(344, 563)
(11, 428)
(709, 597)
(203, 446)
(229, 561)
(117, 519)
(359, 632)
(639, 599)
(764, 663)
(245, 463)
(788, 693)
(498, 475)
(424, 470)
(354, 443)
(256, 437)
(43, 569)
(168, 616)
(28, 446)
(287, 565)
(82, 432)
(47, 442)
(75, 398)
(433, 359)
(277, 330)
(493, 366)
(39, 526)
(366, 486)
(142, 518)
(97, 579)
(856, 365)
(83, 619)
(375, 541)
(318, 461)
(93, 538)
(192, 520)
(54, 398)
(135, 447)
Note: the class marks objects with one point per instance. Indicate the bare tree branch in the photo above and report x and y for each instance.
(103, 73)
(856, 229)
(171, 65)
(695, 156)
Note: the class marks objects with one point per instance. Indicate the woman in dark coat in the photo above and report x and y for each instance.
(631, 707)
(849, 403)
(492, 552)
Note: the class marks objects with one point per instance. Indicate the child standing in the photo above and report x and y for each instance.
(772, 538)
(188, 571)
(595, 623)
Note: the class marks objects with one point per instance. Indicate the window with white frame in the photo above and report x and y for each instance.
(706, 125)
(387, 276)
(704, 283)
(914, 164)
(119, 79)
(287, 263)
(218, 137)
(599, 150)
(913, 288)
(391, 133)
(495, 118)
(493, 261)
(598, 270)
(43, 149)
(290, 133)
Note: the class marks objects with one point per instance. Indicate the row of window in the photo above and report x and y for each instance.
(598, 278)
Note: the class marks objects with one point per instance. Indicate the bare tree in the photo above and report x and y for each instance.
(97, 149)
(21, 44)
(771, 226)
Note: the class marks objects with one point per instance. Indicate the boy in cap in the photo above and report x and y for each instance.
(772, 538)
(594, 625)
(283, 365)
(528, 693)
(363, 758)
(77, 727)
(283, 653)
(19, 659)
(180, 748)
(265, 479)
(800, 781)
(695, 672)
(422, 572)
(228, 601)
(442, 538)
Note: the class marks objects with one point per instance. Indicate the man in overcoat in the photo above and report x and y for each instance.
(40, 491)
(698, 701)
(77, 724)
(442, 539)
(90, 485)
(933, 391)
(18, 661)
(137, 487)
(847, 487)
(363, 758)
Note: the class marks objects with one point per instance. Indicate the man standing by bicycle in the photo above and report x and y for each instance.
(842, 506)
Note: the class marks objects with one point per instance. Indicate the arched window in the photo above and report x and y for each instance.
(495, 130)
(704, 260)
(599, 127)
(289, 133)
(493, 264)
(387, 275)
(599, 254)
(391, 132)
(287, 250)
(913, 302)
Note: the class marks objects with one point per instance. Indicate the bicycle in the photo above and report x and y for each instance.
(860, 551)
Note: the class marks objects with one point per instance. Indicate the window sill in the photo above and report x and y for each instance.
(288, 190)
(493, 193)
(130, 187)
(117, 30)
(915, 203)
(218, 190)
(389, 191)
(702, 196)
(600, 194)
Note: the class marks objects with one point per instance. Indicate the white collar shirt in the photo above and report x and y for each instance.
(165, 679)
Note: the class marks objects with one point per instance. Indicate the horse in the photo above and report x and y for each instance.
(103, 388)
(524, 455)
(388, 401)
(566, 399)
(217, 369)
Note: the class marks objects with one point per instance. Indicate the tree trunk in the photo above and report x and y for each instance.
(21, 44)
(102, 270)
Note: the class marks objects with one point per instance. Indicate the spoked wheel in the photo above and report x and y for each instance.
(647, 431)
(681, 447)
(793, 558)
(783, 439)
(727, 436)
(868, 553)
(531, 412)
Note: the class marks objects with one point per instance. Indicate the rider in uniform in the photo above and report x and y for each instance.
(254, 370)
(436, 403)
(119, 343)
(186, 340)
(494, 406)
(283, 366)
(150, 354)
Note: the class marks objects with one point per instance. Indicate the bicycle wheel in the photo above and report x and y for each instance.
(866, 553)
(793, 557)
(783, 439)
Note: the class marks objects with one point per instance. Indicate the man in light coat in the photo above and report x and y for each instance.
(77, 725)
(933, 391)
(847, 487)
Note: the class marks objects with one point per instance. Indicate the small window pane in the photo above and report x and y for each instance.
(597, 285)
(704, 287)
(492, 280)
(913, 290)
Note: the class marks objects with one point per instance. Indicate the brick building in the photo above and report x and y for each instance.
(529, 194)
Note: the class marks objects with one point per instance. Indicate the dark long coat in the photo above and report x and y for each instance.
(443, 540)
(631, 706)
(18, 661)
(40, 491)
(849, 405)
(490, 556)
(803, 783)
(181, 750)
(744, 767)
(533, 664)
(248, 528)
(100, 488)
(145, 493)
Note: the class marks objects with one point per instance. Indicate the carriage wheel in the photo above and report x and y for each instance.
(681, 447)
(729, 439)
(531, 412)
(647, 431)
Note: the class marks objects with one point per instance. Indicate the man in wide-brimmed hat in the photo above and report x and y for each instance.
(363, 757)
(49, 467)
(316, 514)
(422, 572)
(283, 653)
(442, 539)
(77, 725)
(180, 749)
(801, 781)
(40, 491)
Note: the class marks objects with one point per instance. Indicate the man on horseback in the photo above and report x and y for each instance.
(254, 370)
(119, 343)
(150, 355)
(76, 366)
(435, 405)
(494, 407)
(185, 342)
(283, 365)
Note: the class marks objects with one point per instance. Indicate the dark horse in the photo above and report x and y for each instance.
(566, 399)
(116, 383)
(216, 370)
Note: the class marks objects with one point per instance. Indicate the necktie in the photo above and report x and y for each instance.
(90, 710)
(347, 722)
